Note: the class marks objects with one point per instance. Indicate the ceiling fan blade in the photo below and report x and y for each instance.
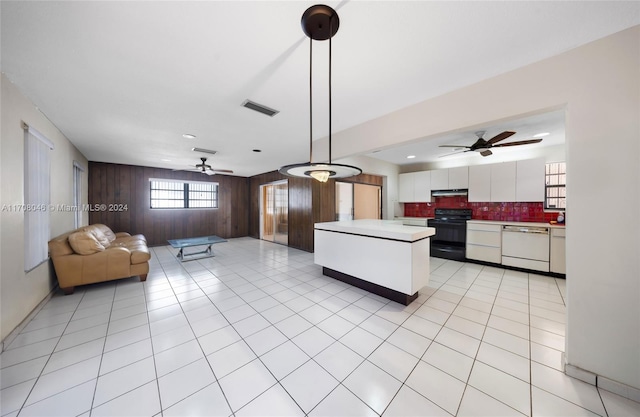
(453, 153)
(486, 153)
(501, 136)
(520, 142)
(453, 146)
(223, 171)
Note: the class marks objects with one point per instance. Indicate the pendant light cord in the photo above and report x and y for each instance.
(310, 100)
(311, 94)
(330, 36)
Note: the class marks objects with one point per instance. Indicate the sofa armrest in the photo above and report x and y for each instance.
(68, 269)
(122, 234)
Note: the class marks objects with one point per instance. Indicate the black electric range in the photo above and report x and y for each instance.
(450, 239)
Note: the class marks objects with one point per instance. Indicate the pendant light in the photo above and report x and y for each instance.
(319, 23)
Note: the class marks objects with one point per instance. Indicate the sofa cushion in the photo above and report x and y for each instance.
(84, 243)
(106, 230)
(126, 240)
(101, 237)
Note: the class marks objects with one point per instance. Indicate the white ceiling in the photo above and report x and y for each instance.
(427, 150)
(124, 80)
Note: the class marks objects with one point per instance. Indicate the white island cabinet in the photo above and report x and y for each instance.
(381, 256)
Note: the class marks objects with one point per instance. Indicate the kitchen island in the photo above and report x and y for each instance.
(381, 256)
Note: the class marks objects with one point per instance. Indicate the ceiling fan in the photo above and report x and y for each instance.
(206, 168)
(484, 146)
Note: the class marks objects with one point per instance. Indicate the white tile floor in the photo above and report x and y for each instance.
(258, 331)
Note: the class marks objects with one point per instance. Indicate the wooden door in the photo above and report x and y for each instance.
(367, 201)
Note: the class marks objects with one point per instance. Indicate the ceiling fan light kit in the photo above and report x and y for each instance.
(205, 168)
(319, 23)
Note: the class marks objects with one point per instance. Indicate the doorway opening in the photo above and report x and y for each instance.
(358, 201)
(274, 212)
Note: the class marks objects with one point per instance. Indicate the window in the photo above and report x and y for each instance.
(179, 194)
(37, 185)
(555, 188)
(77, 193)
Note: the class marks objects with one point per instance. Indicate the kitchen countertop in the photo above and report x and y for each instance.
(522, 224)
(385, 229)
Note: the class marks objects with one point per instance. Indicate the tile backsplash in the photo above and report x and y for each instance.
(512, 212)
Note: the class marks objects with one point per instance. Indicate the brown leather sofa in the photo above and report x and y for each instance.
(94, 253)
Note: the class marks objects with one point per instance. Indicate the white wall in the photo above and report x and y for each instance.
(599, 85)
(21, 292)
(549, 153)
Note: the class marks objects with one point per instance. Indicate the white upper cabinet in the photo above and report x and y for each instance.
(440, 179)
(450, 179)
(503, 182)
(405, 187)
(521, 181)
(422, 187)
(479, 183)
(414, 187)
(530, 180)
(458, 178)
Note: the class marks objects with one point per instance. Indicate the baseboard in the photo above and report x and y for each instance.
(15, 332)
(618, 388)
(515, 268)
(606, 384)
(581, 374)
(385, 292)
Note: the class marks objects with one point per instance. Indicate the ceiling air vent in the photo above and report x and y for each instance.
(259, 108)
(204, 150)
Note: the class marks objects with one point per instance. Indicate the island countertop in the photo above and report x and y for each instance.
(383, 229)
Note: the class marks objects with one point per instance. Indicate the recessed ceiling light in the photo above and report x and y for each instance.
(541, 135)
(166, 160)
(411, 156)
(189, 136)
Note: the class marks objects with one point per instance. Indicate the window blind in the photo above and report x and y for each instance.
(37, 167)
(78, 169)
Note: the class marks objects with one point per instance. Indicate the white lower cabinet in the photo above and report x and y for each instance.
(557, 258)
(529, 246)
(484, 242)
(414, 222)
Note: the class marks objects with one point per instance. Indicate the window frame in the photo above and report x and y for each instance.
(560, 184)
(185, 194)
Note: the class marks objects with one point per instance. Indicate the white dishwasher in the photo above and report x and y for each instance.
(526, 247)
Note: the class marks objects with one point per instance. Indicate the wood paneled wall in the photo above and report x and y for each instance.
(369, 179)
(309, 202)
(128, 184)
(239, 199)
(301, 215)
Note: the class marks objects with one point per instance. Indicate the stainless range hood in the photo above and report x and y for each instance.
(449, 193)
